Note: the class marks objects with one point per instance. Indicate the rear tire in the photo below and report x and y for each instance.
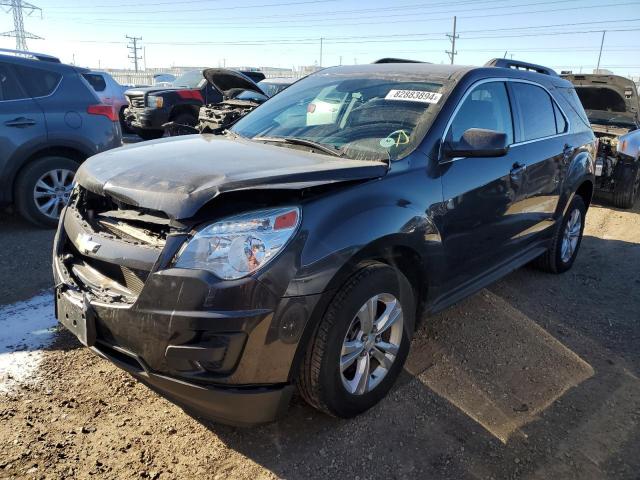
(627, 187)
(331, 376)
(558, 259)
(47, 179)
(149, 134)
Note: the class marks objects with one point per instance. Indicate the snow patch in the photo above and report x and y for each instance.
(25, 329)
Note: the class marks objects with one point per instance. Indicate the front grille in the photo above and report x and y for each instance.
(104, 219)
(136, 101)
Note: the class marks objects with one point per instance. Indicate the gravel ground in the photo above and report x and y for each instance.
(535, 377)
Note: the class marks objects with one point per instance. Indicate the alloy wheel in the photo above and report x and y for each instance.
(571, 236)
(52, 190)
(371, 344)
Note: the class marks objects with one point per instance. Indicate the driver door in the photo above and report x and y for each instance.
(479, 222)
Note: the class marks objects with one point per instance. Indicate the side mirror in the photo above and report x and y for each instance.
(478, 142)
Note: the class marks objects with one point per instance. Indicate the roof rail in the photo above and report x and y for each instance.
(397, 60)
(38, 56)
(518, 65)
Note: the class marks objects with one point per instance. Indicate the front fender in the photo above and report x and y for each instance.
(363, 222)
(629, 145)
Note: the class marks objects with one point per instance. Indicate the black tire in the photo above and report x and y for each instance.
(627, 186)
(552, 260)
(149, 134)
(320, 381)
(185, 118)
(25, 186)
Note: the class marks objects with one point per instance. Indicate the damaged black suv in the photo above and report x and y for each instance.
(301, 248)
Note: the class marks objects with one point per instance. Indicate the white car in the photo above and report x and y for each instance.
(109, 91)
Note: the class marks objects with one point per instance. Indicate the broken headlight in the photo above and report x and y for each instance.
(238, 246)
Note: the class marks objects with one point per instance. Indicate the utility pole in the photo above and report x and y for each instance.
(320, 52)
(600, 54)
(134, 47)
(453, 38)
(18, 7)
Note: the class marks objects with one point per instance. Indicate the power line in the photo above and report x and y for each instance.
(133, 48)
(385, 21)
(18, 7)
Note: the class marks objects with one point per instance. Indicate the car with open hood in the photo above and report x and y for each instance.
(613, 108)
(150, 108)
(240, 95)
(225, 271)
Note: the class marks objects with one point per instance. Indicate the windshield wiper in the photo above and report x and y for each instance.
(302, 141)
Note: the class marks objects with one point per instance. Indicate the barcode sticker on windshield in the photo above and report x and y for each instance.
(413, 96)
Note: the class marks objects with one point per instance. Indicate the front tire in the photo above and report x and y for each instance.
(361, 343)
(566, 240)
(627, 186)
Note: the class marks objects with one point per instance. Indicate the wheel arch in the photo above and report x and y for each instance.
(400, 256)
(76, 154)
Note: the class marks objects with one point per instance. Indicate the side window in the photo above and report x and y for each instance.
(561, 122)
(9, 88)
(96, 81)
(486, 107)
(537, 119)
(37, 82)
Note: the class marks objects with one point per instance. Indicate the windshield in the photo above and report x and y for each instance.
(191, 79)
(373, 117)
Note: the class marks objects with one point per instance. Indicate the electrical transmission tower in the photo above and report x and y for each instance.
(452, 54)
(18, 7)
(134, 47)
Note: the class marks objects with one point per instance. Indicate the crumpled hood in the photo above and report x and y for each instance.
(179, 175)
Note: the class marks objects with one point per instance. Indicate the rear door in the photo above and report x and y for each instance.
(541, 145)
(21, 119)
(480, 194)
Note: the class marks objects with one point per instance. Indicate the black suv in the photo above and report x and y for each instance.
(50, 121)
(302, 247)
(150, 108)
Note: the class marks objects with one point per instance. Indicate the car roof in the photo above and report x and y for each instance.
(442, 73)
(45, 65)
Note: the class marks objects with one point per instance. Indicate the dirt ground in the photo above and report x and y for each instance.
(535, 377)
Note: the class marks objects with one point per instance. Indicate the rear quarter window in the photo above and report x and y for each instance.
(96, 81)
(37, 81)
(537, 118)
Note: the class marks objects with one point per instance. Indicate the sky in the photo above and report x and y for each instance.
(562, 34)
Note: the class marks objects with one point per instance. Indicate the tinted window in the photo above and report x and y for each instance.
(9, 89)
(38, 82)
(561, 122)
(96, 81)
(486, 107)
(536, 111)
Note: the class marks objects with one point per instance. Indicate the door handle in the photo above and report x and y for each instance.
(517, 169)
(20, 122)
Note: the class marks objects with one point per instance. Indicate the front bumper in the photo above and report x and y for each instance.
(147, 118)
(222, 350)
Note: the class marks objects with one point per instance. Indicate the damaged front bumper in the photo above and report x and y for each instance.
(222, 350)
(146, 118)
